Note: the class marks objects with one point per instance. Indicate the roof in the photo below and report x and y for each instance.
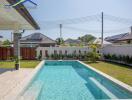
(116, 37)
(37, 38)
(21, 9)
(72, 41)
(15, 18)
(99, 41)
(127, 37)
(1, 36)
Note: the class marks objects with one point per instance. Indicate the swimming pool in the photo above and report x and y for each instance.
(71, 80)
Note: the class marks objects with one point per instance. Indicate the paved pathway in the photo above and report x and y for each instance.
(10, 78)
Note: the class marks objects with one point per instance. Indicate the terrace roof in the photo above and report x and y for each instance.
(19, 14)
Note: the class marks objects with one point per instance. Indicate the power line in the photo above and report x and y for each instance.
(118, 19)
(73, 21)
(96, 31)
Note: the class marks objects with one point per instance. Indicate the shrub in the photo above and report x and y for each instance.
(120, 58)
(93, 56)
(109, 56)
(125, 59)
(40, 57)
(131, 60)
(114, 57)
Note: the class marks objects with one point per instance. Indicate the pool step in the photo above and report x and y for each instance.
(33, 92)
(104, 89)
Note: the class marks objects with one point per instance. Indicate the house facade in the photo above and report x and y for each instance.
(37, 40)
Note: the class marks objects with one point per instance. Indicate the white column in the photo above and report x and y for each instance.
(16, 37)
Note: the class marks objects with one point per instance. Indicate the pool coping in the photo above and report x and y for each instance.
(22, 85)
(116, 81)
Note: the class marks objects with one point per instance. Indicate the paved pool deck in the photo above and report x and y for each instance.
(10, 78)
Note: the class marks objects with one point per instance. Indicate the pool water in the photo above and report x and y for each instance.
(70, 80)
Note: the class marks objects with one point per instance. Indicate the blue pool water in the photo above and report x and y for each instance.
(70, 80)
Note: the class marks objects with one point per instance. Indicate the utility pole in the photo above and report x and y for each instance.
(60, 34)
(60, 31)
(11, 37)
(131, 29)
(102, 32)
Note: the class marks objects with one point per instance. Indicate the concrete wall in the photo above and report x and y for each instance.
(70, 50)
(118, 49)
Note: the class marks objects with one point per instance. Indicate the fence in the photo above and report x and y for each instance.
(118, 53)
(118, 50)
(26, 53)
(6, 53)
(45, 51)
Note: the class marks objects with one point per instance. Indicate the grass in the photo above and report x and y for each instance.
(120, 72)
(24, 64)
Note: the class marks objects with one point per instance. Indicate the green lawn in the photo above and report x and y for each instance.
(24, 64)
(120, 72)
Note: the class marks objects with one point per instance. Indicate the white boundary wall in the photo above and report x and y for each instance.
(118, 49)
(70, 50)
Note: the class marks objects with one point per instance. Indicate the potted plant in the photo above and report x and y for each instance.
(16, 63)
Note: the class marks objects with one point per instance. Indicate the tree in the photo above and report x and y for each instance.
(6, 43)
(93, 56)
(59, 41)
(86, 38)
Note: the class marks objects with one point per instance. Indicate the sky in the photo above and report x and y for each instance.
(53, 10)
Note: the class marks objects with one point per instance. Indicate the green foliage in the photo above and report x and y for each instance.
(93, 56)
(59, 41)
(6, 43)
(121, 58)
(87, 38)
(40, 57)
(23, 63)
(16, 59)
(68, 56)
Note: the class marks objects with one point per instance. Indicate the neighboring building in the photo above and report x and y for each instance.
(1, 40)
(72, 42)
(99, 41)
(1, 36)
(127, 39)
(37, 40)
(120, 39)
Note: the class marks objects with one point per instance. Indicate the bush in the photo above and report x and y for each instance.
(108, 56)
(120, 58)
(131, 60)
(93, 56)
(125, 59)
